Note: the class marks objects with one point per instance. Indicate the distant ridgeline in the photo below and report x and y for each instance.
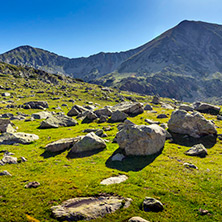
(184, 62)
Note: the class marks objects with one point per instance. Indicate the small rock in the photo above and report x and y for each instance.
(197, 150)
(162, 116)
(151, 204)
(9, 160)
(148, 107)
(5, 173)
(118, 157)
(190, 165)
(203, 212)
(33, 184)
(137, 219)
(114, 180)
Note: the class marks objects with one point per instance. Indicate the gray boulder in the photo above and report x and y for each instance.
(162, 116)
(114, 180)
(41, 115)
(88, 143)
(88, 208)
(186, 107)
(118, 116)
(59, 120)
(206, 108)
(151, 204)
(197, 150)
(36, 105)
(23, 138)
(141, 139)
(148, 107)
(76, 110)
(192, 124)
(9, 160)
(156, 100)
(61, 145)
(6, 126)
(130, 108)
(103, 112)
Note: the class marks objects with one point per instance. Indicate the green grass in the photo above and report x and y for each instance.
(182, 191)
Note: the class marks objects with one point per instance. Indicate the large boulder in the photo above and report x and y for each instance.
(58, 121)
(6, 126)
(130, 108)
(192, 124)
(103, 112)
(11, 138)
(61, 145)
(88, 143)
(36, 105)
(76, 110)
(88, 208)
(41, 115)
(141, 139)
(118, 116)
(206, 108)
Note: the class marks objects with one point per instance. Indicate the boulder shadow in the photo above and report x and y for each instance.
(72, 155)
(185, 140)
(48, 154)
(131, 163)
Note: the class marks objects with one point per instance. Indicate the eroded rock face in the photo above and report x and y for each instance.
(130, 108)
(206, 108)
(11, 138)
(88, 208)
(192, 124)
(88, 143)
(141, 139)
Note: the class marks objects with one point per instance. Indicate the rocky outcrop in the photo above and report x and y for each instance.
(88, 208)
(88, 143)
(141, 139)
(192, 124)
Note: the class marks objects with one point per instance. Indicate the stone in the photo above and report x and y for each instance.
(41, 115)
(197, 150)
(151, 204)
(118, 157)
(206, 108)
(61, 145)
(9, 160)
(148, 107)
(166, 106)
(162, 116)
(130, 108)
(23, 159)
(102, 119)
(156, 100)
(164, 125)
(5, 173)
(103, 112)
(33, 184)
(203, 212)
(76, 110)
(137, 219)
(23, 138)
(114, 180)
(118, 116)
(192, 124)
(36, 104)
(6, 94)
(141, 139)
(88, 208)
(7, 115)
(90, 116)
(186, 107)
(219, 117)
(6, 126)
(151, 121)
(56, 121)
(190, 165)
(88, 142)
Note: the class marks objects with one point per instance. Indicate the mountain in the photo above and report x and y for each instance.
(184, 62)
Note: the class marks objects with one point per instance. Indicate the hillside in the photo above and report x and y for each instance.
(182, 63)
(187, 194)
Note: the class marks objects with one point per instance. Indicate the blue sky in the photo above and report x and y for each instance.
(76, 28)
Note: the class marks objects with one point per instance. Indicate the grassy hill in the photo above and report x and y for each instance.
(182, 191)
